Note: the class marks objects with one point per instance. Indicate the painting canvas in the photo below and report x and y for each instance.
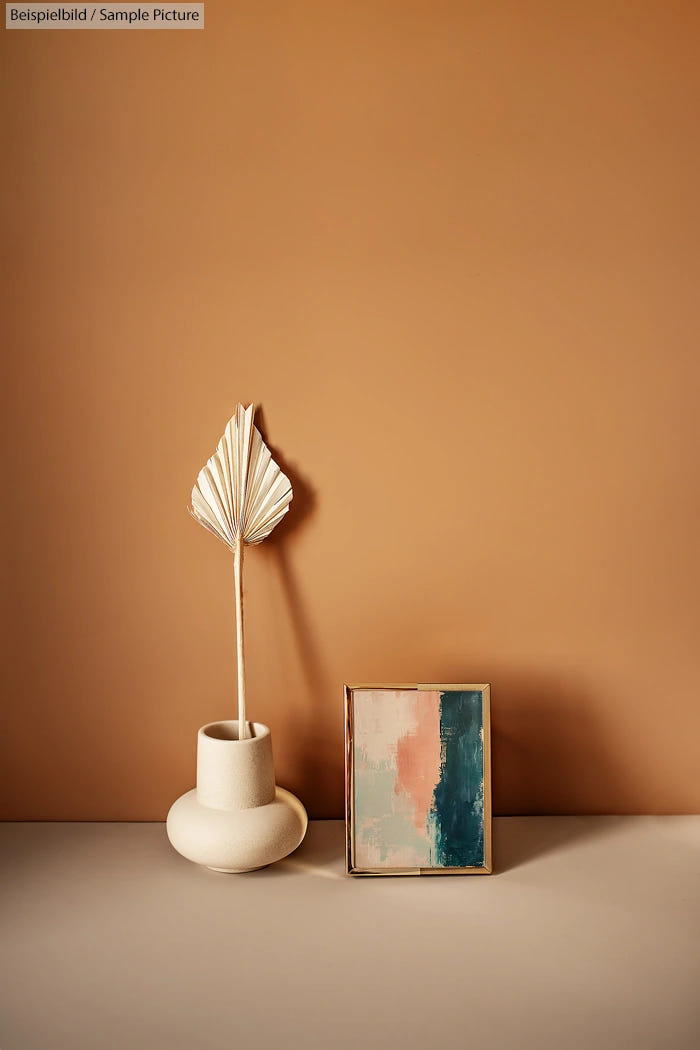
(418, 797)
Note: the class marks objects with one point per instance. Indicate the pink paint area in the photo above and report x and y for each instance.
(418, 756)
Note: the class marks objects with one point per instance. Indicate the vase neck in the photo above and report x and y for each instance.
(232, 773)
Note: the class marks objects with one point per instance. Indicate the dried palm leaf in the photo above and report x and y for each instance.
(239, 496)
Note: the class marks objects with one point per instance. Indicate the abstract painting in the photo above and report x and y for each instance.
(418, 797)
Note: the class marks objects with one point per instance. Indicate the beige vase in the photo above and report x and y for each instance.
(236, 819)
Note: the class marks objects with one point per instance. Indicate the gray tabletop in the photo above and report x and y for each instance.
(587, 935)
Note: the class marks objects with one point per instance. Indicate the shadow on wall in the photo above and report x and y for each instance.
(549, 755)
(304, 495)
(317, 775)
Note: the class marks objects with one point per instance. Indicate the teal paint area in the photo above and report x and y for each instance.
(458, 801)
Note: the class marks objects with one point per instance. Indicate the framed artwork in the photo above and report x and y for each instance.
(417, 779)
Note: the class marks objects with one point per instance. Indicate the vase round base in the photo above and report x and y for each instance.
(236, 841)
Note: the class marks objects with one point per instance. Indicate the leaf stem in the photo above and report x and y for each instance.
(238, 589)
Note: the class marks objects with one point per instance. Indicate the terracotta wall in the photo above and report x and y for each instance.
(453, 251)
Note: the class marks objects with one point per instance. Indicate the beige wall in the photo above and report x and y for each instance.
(453, 251)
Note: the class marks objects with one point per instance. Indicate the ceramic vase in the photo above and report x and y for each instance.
(236, 819)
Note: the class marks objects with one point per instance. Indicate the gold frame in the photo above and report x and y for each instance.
(350, 868)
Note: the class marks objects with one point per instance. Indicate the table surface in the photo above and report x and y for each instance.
(586, 936)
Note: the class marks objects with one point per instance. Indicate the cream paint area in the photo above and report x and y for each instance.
(397, 763)
(376, 734)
